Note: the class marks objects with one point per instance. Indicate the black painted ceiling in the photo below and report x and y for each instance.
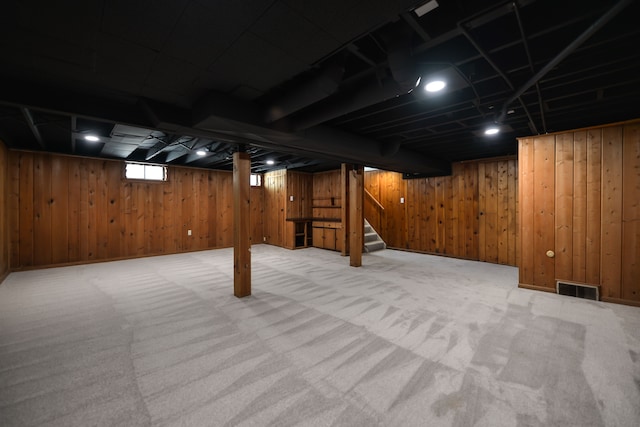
(311, 84)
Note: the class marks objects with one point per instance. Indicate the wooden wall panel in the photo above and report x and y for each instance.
(593, 229)
(579, 205)
(257, 207)
(526, 183)
(597, 210)
(611, 199)
(564, 207)
(448, 215)
(471, 217)
(544, 208)
(327, 195)
(68, 210)
(275, 191)
(300, 186)
(6, 192)
(631, 213)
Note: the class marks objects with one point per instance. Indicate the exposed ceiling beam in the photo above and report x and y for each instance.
(498, 70)
(409, 19)
(586, 34)
(33, 127)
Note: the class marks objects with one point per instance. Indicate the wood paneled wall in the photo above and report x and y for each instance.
(4, 222)
(471, 214)
(300, 187)
(275, 193)
(279, 187)
(68, 210)
(327, 195)
(580, 195)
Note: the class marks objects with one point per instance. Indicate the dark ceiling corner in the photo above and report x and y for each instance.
(314, 86)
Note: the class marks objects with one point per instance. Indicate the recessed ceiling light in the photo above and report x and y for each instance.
(492, 130)
(92, 138)
(435, 86)
(270, 162)
(201, 152)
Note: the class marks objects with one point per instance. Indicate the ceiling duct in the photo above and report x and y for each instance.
(403, 66)
(371, 92)
(309, 92)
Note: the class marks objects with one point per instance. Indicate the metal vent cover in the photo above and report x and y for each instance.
(578, 290)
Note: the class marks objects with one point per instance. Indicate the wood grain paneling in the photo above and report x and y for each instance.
(275, 192)
(69, 209)
(611, 199)
(543, 211)
(526, 184)
(631, 213)
(564, 207)
(327, 195)
(593, 184)
(6, 184)
(470, 214)
(597, 210)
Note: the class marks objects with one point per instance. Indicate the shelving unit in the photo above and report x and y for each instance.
(303, 236)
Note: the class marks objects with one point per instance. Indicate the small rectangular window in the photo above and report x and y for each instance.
(146, 172)
(255, 180)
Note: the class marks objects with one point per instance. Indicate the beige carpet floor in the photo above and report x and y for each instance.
(405, 340)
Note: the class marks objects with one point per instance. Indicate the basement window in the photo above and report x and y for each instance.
(146, 172)
(255, 180)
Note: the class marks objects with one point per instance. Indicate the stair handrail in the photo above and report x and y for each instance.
(373, 199)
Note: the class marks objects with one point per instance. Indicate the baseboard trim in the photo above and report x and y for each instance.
(621, 301)
(537, 288)
(95, 261)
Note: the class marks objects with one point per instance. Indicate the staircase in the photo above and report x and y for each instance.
(372, 242)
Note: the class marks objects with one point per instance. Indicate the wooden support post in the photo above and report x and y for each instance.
(344, 211)
(241, 225)
(356, 215)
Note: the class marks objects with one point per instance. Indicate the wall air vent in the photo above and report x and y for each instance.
(579, 290)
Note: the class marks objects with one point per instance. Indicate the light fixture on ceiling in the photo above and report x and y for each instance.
(492, 130)
(270, 162)
(201, 152)
(435, 86)
(91, 138)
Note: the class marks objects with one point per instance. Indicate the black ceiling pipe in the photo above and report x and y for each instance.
(315, 89)
(600, 22)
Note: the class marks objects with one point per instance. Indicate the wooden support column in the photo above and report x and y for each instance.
(356, 215)
(241, 225)
(344, 210)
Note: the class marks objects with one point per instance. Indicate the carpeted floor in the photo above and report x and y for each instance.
(405, 340)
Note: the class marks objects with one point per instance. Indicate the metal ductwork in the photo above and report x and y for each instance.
(313, 90)
(371, 92)
(403, 66)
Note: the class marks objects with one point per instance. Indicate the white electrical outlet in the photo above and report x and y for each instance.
(291, 198)
(401, 199)
(188, 232)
